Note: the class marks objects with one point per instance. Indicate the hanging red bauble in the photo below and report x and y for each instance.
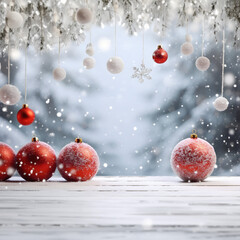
(78, 161)
(160, 55)
(25, 115)
(7, 162)
(193, 159)
(36, 161)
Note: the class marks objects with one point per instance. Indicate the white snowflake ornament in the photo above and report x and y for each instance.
(9, 94)
(142, 73)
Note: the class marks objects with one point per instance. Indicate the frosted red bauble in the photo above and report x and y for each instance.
(36, 161)
(7, 162)
(160, 55)
(193, 159)
(78, 161)
(25, 115)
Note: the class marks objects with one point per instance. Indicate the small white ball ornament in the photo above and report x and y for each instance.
(221, 104)
(59, 74)
(14, 19)
(84, 16)
(187, 48)
(115, 65)
(89, 62)
(9, 94)
(202, 63)
(188, 38)
(89, 50)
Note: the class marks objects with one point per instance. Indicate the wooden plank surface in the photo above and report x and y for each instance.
(120, 208)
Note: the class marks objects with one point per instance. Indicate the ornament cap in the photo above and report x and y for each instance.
(35, 139)
(25, 105)
(159, 46)
(78, 140)
(194, 134)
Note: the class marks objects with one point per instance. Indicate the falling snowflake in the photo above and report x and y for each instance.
(141, 73)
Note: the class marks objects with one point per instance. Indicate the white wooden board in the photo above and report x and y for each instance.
(120, 208)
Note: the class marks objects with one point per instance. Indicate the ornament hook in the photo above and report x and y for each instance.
(78, 140)
(35, 139)
(194, 134)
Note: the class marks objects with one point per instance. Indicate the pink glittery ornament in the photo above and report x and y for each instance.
(193, 159)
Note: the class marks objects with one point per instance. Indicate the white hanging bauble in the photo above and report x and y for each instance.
(14, 19)
(202, 63)
(84, 15)
(9, 94)
(59, 74)
(115, 65)
(89, 50)
(221, 104)
(89, 62)
(188, 38)
(187, 48)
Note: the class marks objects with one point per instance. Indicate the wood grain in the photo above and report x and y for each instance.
(120, 208)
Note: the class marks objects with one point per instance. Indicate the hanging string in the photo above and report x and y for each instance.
(9, 52)
(59, 49)
(9, 63)
(203, 34)
(223, 46)
(115, 34)
(187, 25)
(25, 96)
(223, 53)
(143, 46)
(90, 36)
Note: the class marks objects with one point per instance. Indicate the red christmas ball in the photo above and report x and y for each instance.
(193, 159)
(25, 115)
(7, 162)
(78, 161)
(36, 161)
(160, 55)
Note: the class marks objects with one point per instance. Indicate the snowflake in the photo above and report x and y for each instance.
(141, 73)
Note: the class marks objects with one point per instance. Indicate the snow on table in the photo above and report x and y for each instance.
(120, 208)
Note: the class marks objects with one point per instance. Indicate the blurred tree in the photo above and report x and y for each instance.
(184, 102)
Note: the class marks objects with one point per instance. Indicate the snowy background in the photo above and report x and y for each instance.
(133, 126)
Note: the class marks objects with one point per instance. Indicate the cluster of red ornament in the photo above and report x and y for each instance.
(193, 159)
(37, 161)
